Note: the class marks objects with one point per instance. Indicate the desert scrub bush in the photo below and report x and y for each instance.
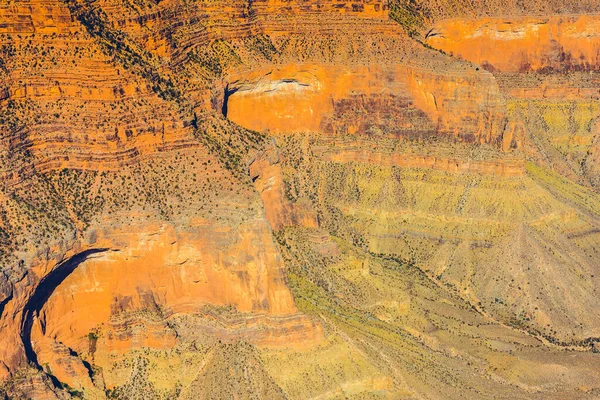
(410, 15)
(213, 57)
(262, 45)
(123, 50)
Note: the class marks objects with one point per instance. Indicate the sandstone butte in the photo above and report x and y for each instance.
(299, 199)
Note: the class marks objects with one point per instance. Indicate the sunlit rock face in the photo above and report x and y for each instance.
(547, 70)
(178, 272)
(122, 300)
(299, 199)
(398, 100)
(553, 43)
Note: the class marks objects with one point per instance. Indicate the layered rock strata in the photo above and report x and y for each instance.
(376, 218)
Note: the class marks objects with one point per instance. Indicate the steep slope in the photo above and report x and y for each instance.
(504, 241)
(216, 199)
(426, 340)
(108, 157)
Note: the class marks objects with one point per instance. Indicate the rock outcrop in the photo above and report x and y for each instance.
(553, 43)
(292, 199)
(398, 100)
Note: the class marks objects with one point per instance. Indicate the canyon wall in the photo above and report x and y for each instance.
(549, 80)
(82, 134)
(297, 199)
(398, 100)
(521, 45)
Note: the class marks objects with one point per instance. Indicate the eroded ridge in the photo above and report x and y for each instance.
(310, 199)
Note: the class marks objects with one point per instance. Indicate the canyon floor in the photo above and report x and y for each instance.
(300, 199)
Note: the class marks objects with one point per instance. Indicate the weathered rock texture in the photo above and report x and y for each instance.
(399, 100)
(520, 45)
(299, 199)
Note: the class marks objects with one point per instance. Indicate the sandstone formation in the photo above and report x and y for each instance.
(520, 45)
(400, 100)
(299, 199)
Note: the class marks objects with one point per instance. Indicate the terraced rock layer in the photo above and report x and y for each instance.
(397, 100)
(520, 45)
(297, 200)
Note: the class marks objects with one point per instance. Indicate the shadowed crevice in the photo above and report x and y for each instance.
(41, 295)
(227, 93)
(4, 302)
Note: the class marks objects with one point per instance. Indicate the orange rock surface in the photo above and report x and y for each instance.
(268, 180)
(153, 273)
(457, 166)
(155, 268)
(366, 212)
(400, 100)
(522, 44)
